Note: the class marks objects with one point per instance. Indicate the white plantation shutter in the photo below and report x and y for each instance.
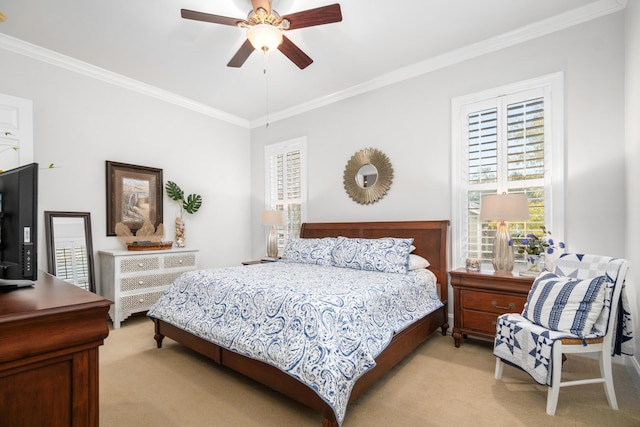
(483, 146)
(503, 144)
(285, 183)
(525, 140)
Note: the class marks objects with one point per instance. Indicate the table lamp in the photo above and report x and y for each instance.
(273, 219)
(502, 208)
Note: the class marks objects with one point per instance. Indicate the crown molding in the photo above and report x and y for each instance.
(59, 60)
(532, 31)
(556, 23)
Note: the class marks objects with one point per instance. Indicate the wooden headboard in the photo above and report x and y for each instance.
(430, 238)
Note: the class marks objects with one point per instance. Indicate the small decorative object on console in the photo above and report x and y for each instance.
(146, 236)
(191, 204)
(473, 264)
(149, 246)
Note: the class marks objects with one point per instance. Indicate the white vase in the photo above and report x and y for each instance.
(180, 237)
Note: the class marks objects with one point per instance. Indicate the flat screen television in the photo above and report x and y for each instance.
(19, 226)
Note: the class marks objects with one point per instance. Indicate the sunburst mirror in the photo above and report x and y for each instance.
(368, 176)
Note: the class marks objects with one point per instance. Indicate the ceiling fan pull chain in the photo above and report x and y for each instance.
(266, 80)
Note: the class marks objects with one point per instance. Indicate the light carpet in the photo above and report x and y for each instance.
(436, 385)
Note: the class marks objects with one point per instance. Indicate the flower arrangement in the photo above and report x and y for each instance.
(539, 245)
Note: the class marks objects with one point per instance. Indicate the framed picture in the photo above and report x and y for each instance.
(134, 195)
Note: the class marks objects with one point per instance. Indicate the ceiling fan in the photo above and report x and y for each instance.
(265, 29)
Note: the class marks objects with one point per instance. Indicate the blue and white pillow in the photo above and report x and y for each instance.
(309, 251)
(387, 254)
(565, 304)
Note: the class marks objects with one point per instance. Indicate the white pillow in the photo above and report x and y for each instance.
(309, 251)
(417, 262)
(565, 304)
(387, 254)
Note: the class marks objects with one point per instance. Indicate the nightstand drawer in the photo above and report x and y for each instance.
(491, 302)
(480, 321)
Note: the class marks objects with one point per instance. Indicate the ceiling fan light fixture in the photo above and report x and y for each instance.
(264, 37)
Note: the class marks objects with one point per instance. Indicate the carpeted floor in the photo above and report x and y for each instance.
(437, 385)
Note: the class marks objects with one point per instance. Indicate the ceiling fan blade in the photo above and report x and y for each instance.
(319, 16)
(207, 17)
(265, 4)
(241, 55)
(294, 53)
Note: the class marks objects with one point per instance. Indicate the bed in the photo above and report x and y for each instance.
(430, 242)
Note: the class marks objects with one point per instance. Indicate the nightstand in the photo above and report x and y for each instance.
(479, 297)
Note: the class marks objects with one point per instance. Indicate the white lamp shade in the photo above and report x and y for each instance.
(504, 207)
(273, 218)
(264, 37)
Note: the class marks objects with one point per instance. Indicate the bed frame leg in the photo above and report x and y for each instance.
(444, 329)
(326, 422)
(158, 336)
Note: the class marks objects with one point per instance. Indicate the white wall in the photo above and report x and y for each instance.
(80, 122)
(410, 122)
(632, 98)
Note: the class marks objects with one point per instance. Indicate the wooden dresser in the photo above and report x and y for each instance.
(134, 280)
(49, 339)
(480, 297)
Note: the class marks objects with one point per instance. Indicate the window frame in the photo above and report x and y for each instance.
(551, 88)
(283, 148)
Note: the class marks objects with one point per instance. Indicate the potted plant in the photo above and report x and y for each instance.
(190, 204)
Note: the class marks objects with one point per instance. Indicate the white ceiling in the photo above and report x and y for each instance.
(377, 42)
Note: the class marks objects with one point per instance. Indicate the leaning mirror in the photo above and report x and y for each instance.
(70, 247)
(368, 176)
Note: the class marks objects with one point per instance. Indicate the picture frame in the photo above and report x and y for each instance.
(134, 194)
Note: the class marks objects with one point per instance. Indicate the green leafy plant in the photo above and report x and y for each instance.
(191, 204)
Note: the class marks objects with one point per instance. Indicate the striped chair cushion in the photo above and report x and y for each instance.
(565, 304)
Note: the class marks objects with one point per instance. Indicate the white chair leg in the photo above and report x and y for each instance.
(606, 373)
(499, 367)
(556, 374)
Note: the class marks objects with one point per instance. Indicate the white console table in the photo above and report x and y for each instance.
(134, 280)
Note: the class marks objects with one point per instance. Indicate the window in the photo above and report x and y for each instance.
(286, 184)
(71, 261)
(507, 140)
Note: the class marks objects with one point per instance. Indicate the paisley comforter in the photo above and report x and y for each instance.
(322, 325)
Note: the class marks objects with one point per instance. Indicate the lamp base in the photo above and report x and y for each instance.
(272, 243)
(502, 251)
